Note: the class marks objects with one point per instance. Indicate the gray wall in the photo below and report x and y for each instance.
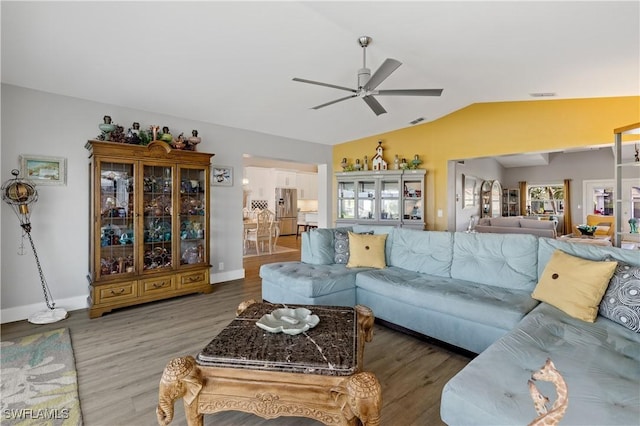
(40, 123)
(578, 166)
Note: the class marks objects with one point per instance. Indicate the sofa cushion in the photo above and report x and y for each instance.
(546, 247)
(309, 280)
(378, 230)
(481, 303)
(510, 222)
(537, 224)
(599, 362)
(366, 250)
(574, 285)
(317, 247)
(502, 260)
(621, 301)
(422, 251)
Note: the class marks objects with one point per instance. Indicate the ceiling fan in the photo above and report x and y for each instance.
(367, 83)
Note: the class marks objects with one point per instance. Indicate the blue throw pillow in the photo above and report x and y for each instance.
(621, 301)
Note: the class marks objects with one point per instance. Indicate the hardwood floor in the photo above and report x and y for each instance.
(120, 356)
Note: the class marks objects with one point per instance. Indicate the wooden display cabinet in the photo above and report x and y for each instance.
(149, 224)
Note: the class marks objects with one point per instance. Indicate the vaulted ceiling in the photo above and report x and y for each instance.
(232, 63)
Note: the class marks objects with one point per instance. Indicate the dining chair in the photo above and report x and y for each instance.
(264, 231)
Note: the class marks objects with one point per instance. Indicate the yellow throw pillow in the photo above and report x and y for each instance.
(574, 285)
(366, 251)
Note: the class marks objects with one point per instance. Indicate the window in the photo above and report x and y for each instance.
(545, 199)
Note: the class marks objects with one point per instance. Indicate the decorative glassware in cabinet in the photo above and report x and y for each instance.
(390, 200)
(193, 216)
(346, 200)
(366, 200)
(158, 211)
(116, 219)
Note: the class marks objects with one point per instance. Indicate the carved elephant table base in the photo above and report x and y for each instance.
(332, 399)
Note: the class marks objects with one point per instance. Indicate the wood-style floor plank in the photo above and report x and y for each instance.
(120, 356)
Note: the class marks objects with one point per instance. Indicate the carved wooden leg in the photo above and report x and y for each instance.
(360, 396)
(191, 413)
(365, 330)
(181, 379)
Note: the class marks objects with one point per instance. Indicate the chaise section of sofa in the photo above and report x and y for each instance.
(600, 363)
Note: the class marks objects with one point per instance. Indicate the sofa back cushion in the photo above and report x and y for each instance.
(318, 246)
(503, 260)
(547, 246)
(509, 222)
(428, 252)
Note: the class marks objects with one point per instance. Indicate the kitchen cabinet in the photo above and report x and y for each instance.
(149, 224)
(307, 184)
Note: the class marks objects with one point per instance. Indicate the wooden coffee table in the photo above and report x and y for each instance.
(317, 374)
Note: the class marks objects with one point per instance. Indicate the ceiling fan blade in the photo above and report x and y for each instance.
(374, 105)
(302, 80)
(333, 102)
(385, 70)
(411, 92)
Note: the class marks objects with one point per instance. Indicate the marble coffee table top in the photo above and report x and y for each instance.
(327, 349)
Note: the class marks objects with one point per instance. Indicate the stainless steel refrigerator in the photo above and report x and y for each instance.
(287, 210)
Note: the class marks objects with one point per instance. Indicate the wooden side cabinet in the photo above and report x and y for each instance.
(148, 225)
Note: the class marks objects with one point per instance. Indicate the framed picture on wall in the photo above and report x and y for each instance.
(221, 176)
(44, 170)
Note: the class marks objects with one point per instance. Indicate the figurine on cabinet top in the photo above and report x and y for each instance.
(365, 164)
(377, 161)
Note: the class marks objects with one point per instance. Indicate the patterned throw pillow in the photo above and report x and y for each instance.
(341, 244)
(621, 301)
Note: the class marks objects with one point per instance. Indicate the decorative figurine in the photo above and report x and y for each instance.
(193, 140)
(365, 164)
(344, 164)
(633, 224)
(396, 162)
(106, 127)
(179, 143)
(377, 161)
(357, 167)
(403, 164)
(154, 131)
(415, 162)
(136, 128)
(166, 136)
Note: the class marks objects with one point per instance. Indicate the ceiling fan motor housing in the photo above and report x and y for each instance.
(364, 74)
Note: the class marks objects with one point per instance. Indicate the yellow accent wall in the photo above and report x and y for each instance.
(496, 128)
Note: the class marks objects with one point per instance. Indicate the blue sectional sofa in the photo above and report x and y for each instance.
(474, 291)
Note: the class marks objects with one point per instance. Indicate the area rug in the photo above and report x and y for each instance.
(251, 251)
(39, 380)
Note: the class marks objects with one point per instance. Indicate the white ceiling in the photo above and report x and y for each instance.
(231, 63)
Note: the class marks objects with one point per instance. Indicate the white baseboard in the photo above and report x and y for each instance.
(20, 313)
(220, 277)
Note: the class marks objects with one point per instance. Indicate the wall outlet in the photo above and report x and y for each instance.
(221, 266)
(440, 212)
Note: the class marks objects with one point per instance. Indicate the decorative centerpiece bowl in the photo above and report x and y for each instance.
(587, 230)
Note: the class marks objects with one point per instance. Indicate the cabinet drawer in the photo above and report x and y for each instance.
(194, 278)
(115, 292)
(156, 285)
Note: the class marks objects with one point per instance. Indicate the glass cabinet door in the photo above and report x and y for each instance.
(389, 200)
(412, 200)
(346, 200)
(157, 218)
(116, 219)
(366, 200)
(193, 216)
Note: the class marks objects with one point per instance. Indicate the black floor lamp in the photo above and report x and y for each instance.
(19, 194)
